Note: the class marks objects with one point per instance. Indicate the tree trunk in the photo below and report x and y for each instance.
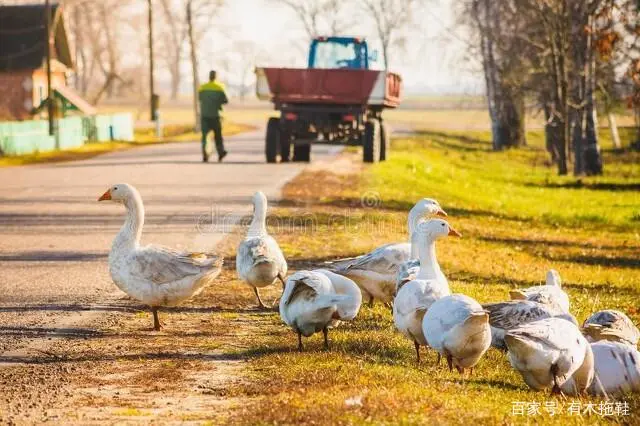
(194, 66)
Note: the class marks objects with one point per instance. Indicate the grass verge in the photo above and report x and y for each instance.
(518, 219)
(142, 137)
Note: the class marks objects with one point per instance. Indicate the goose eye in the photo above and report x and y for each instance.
(115, 188)
(442, 224)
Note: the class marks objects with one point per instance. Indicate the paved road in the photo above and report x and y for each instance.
(55, 236)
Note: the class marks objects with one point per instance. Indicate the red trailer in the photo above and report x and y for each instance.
(337, 100)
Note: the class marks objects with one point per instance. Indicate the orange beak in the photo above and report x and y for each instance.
(441, 213)
(105, 196)
(454, 233)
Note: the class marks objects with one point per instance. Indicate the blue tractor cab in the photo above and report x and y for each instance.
(339, 52)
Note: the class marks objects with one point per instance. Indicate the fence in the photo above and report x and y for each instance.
(26, 137)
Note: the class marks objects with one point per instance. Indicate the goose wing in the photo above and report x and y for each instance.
(163, 265)
(509, 315)
(385, 259)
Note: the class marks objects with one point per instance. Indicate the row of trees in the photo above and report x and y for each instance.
(110, 37)
(111, 42)
(563, 55)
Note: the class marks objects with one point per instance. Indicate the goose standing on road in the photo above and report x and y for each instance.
(375, 272)
(611, 325)
(259, 260)
(504, 316)
(313, 301)
(154, 275)
(550, 294)
(415, 297)
(548, 352)
(458, 328)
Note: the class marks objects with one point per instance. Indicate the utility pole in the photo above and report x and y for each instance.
(49, 48)
(151, 89)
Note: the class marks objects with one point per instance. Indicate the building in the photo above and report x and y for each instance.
(23, 49)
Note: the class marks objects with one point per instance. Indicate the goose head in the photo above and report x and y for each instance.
(259, 201)
(424, 208)
(434, 229)
(120, 193)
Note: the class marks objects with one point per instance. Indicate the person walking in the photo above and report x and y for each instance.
(212, 96)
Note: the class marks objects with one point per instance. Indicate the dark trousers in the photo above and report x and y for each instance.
(212, 124)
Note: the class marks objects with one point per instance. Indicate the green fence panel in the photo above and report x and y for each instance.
(25, 137)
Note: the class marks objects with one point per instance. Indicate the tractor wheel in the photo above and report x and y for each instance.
(272, 142)
(385, 141)
(371, 141)
(302, 153)
(285, 146)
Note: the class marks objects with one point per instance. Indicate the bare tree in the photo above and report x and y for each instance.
(199, 14)
(318, 16)
(174, 36)
(390, 18)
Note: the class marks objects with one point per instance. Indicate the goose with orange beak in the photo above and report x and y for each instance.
(375, 272)
(154, 275)
(416, 297)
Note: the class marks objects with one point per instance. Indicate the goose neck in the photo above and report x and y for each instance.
(258, 225)
(429, 267)
(131, 231)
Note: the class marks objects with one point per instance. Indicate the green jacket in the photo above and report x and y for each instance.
(212, 97)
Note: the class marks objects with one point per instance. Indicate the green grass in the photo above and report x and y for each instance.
(518, 219)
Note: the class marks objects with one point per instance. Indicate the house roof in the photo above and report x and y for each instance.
(23, 37)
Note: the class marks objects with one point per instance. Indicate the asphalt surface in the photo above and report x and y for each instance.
(55, 236)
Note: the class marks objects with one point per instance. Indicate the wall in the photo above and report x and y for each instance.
(26, 137)
(15, 95)
(21, 91)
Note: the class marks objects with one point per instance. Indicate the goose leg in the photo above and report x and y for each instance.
(156, 321)
(260, 304)
(417, 350)
(300, 342)
(439, 358)
(281, 278)
(370, 301)
(325, 331)
(449, 361)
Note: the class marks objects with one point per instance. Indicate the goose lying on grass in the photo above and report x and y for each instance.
(548, 352)
(416, 296)
(154, 275)
(458, 328)
(611, 325)
(259, 260)
(504, 316)
(617, 370)
(313, 301)
(550, 294)
(375, 272)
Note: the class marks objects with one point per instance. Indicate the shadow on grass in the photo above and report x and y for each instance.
(465, 142)
(594, 186)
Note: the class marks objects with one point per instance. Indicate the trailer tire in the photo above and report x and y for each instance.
(302, 153)
(285, 146)
(371, 141)
(385, 141)
(272, 139)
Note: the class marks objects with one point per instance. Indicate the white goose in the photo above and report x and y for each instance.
(313, 301)
(550, 294)
(259, 260)
(549, 351)
(154, 275)
(416, 296)
(611, 325)
(504, 316)
(617, 370)
(458, 328)
(375, 272)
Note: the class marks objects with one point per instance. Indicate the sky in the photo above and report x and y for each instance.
(433, 60)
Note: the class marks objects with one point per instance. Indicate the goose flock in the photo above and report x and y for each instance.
(536, 329)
